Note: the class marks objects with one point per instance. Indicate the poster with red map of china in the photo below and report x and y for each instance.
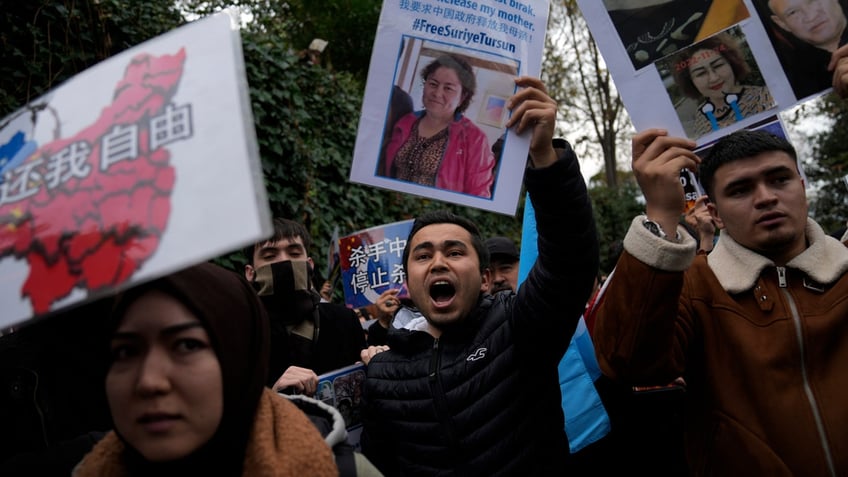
(84, 213)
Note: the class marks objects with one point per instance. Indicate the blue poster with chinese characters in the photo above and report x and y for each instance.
(372, 262)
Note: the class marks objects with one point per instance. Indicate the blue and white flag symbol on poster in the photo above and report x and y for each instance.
(586, 420)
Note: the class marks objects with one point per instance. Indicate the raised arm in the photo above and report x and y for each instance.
(553, 296)
(641, 330)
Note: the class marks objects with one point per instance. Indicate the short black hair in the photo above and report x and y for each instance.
(283, 228)
(739, 145)
(447, 217)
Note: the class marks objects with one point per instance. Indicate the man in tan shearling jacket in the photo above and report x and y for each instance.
(758, 328)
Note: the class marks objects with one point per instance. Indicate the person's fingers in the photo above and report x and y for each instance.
(665, 148)
(310, 385)
(530, 105)
(531, 82)
(370, 352)
(533, 115)
(282, 385)
(641, 140)
(840, 78)
(840, 54)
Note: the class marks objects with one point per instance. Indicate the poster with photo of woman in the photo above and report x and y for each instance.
(435, 106)
(457, 112)
(715, 83)
(711, 86)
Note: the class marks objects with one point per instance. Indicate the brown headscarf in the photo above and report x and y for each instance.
(237, 326)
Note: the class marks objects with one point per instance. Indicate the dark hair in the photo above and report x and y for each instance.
(283, 229)
(723, 44)
(447, 217)
(463, 71)
(739, 145)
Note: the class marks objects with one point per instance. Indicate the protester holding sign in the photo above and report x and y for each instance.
(757, 328)
(475, 390)
(439, 146)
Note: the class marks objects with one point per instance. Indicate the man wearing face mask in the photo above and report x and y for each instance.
(308, 337)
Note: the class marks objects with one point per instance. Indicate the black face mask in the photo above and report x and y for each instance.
(286, 290)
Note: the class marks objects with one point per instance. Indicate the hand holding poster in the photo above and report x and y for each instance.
(435, 104)
(104, 181)
(342, 389)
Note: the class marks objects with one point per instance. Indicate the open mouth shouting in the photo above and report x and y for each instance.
(442, 293)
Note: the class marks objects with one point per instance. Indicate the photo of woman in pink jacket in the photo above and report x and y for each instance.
(438, 146)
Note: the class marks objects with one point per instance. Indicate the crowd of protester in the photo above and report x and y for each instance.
(719, 354)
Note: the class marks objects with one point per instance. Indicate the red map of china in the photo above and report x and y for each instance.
(94, 232)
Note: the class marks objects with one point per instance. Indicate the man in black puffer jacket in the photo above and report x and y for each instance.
(474, 390)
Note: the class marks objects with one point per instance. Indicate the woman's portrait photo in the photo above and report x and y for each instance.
(430, 137)
(715, 83)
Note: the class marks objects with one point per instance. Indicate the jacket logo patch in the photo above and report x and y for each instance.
(479, 354)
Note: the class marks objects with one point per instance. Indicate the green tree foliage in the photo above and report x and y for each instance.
(828, 167)
(46, 42)
(614, 209)
(348, 25)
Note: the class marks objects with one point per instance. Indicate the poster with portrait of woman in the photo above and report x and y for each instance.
(663, 94)
(444, 131)
(715, 83)
(435, 107)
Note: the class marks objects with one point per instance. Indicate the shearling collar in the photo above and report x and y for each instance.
(737, 268)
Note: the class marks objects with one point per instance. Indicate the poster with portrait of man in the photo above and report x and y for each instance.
(805, 33)
(435, 110)
(715, 83)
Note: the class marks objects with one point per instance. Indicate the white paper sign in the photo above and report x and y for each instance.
(139, 166)
(455, 43)
(704, 69)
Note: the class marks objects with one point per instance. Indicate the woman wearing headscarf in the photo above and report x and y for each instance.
(185, 385)
(439, 146)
